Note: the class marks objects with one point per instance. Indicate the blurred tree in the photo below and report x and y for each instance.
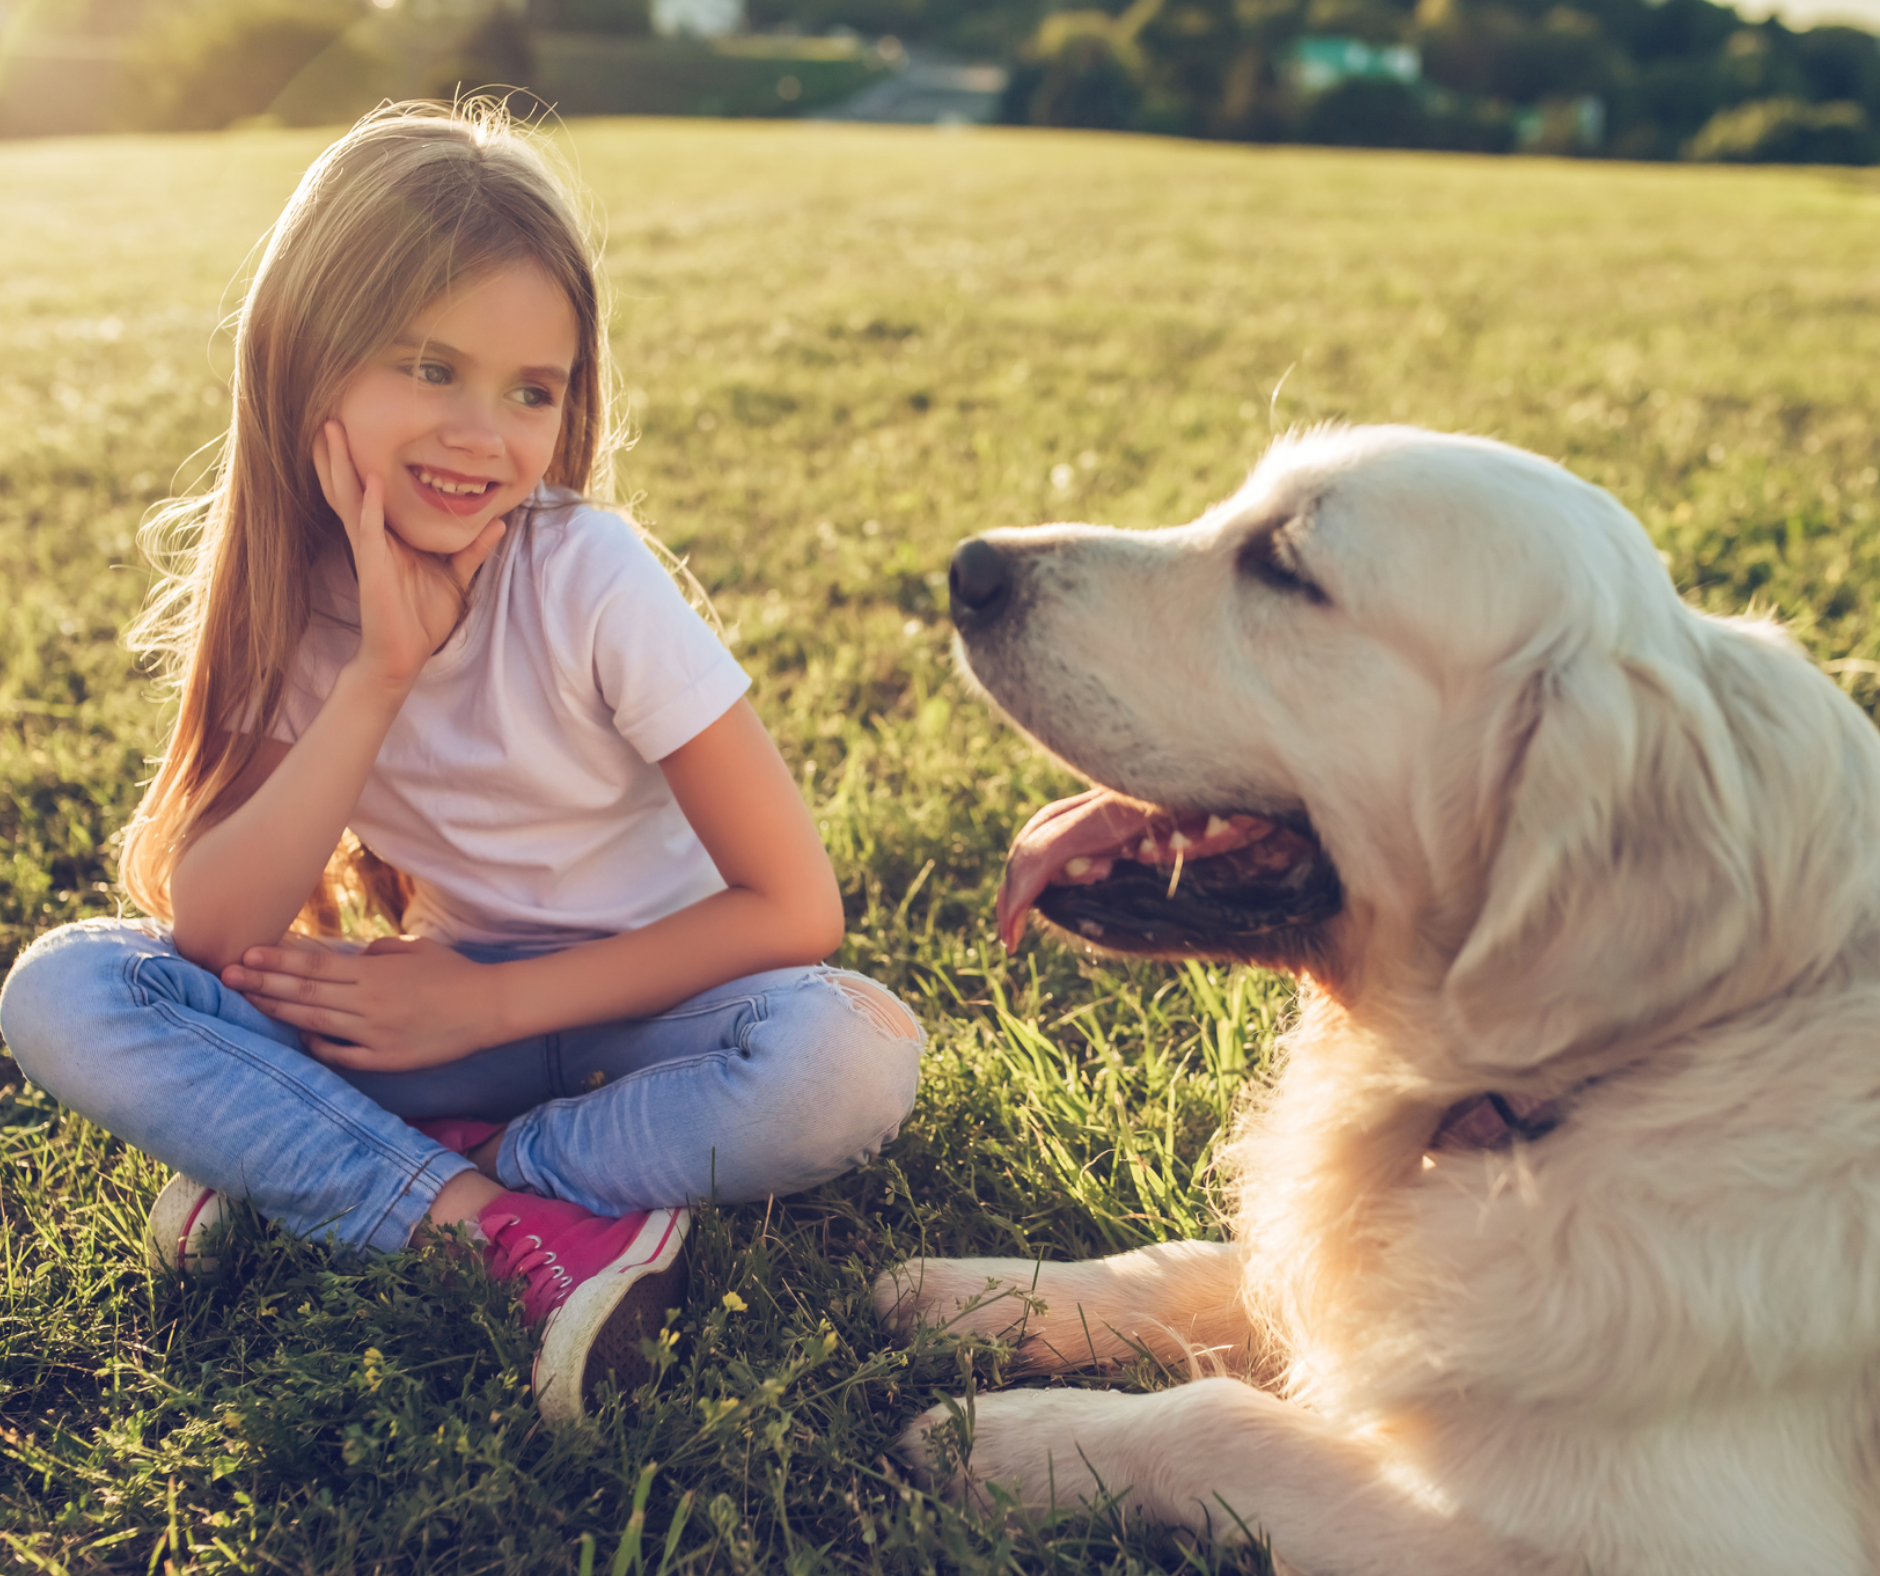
(1756, 63)
(1369, 21)
(1679, 29)
(1363, 113)
(1495, 51)
(200, 66)
(1083, 69)
(1788, 131)
(1656, 79)
(1373, 113)
(973, 27)
(622, 18)
(1840, 63)
(499, 53)
(1190, 48)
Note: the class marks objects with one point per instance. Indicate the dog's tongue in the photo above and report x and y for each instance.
(1100, 826)
(1089, 826)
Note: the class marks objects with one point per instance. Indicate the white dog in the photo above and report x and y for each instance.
(1558, 1247)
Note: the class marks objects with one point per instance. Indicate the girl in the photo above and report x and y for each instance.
(402, 619)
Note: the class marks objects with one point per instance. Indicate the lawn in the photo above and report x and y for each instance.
(846, 348)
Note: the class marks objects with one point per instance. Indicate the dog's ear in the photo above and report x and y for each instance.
(1625, 879)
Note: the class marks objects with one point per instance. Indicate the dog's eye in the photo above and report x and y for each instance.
(1271, 556)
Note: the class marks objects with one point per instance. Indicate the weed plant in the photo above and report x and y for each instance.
(845, 350)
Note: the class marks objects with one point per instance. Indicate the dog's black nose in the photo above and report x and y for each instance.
(979, 581)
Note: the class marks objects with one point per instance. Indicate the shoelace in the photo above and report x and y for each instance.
(515, 1253)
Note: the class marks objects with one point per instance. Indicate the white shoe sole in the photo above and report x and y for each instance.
(179, 1223)
(596, 1333)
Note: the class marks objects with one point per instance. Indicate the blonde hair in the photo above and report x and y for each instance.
(413, 201)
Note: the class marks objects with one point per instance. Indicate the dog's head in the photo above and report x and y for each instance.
(1423, 714)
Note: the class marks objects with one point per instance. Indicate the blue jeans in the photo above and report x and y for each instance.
(766, 1085)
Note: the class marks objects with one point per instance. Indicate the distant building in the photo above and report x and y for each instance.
(697, 18)
(1320, 63)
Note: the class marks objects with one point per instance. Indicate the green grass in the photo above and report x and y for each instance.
(848, 348)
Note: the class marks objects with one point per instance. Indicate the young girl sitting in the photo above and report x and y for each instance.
(404, 620)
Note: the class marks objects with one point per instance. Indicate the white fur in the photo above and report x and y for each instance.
(1596, 846)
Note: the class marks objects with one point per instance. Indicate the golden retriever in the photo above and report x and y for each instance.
(1558, 1233)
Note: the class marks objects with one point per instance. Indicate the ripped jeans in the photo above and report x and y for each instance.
(767, 1084)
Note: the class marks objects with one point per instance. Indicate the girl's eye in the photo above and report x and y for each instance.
(534, 398)
(431, 372)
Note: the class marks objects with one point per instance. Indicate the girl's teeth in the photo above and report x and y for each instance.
(456, 489)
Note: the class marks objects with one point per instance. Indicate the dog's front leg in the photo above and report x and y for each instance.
(1222, 1459)
(1177, 1301)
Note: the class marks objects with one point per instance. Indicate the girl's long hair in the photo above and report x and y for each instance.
(413, 201)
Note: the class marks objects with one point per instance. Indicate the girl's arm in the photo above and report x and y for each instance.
(780, 906)
(242, 879)
(406, 1004)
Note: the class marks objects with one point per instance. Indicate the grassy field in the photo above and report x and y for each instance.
(847, 349)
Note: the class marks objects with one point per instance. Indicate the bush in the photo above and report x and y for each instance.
(1496, 53)
(1787, 131)
(1841, 63)
(994, 28)
(1362, 114)
(1076, 72)
(499, 53)
(1369, 113)
(622, 18)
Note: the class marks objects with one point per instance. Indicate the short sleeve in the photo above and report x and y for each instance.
(327, 645)
(659, 667)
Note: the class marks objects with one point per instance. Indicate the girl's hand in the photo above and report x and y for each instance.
(409, 602)
(401, 1003)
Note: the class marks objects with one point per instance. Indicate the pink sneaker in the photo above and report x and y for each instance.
(178, 1227)
(459, 1133)
(596, 1286)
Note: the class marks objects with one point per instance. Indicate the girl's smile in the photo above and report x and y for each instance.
(459, 495)
(459, 416)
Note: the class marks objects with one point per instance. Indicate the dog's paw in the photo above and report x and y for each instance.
(933, 1449)
(989, 1298)
(1039, 1451)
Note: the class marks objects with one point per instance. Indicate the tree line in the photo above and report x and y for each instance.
(1640, 79)
(1637, 79)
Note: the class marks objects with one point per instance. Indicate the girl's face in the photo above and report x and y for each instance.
(459, 415)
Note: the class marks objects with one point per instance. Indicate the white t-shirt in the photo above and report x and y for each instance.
(517, 786)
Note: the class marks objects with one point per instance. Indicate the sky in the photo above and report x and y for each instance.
(1806, 13)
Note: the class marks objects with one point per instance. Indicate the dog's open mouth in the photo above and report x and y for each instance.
(1135, 877)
